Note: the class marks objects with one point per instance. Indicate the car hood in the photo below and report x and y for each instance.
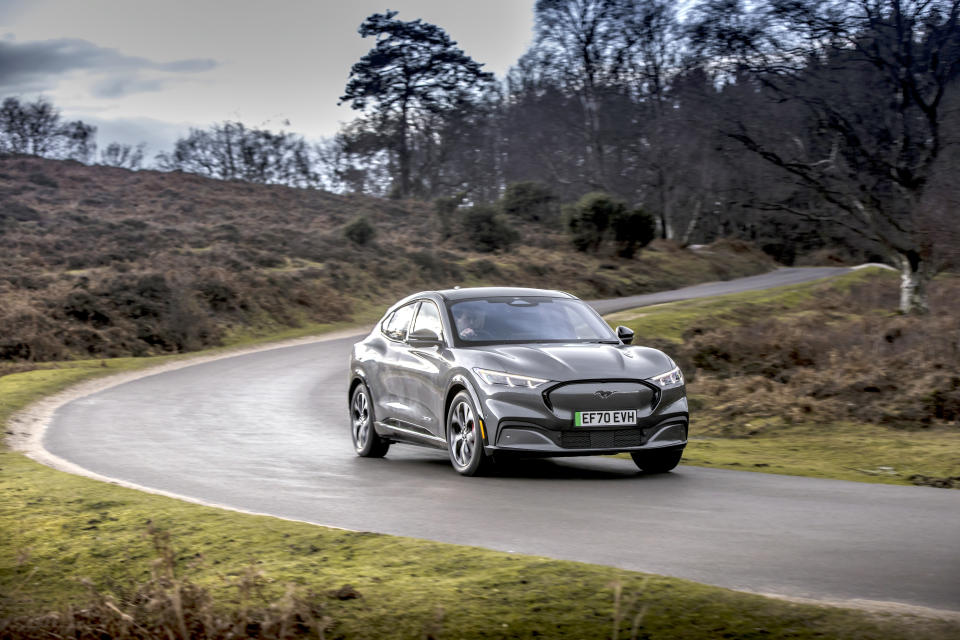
(562, 362)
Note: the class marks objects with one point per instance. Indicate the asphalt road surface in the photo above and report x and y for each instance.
(778, 278)
(268, 432)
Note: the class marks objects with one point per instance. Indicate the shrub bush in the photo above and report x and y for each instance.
(218, 295)
(43, 180)
(435, 269)
(445, 209)
(18, 211)
(632, 230)
(360, 231)
(597, 216)
(487, 230)
(590, 218)
(531, 201)
(484, 269)
(87, 308)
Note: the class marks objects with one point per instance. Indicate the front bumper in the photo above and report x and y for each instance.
(528, 422)
(521, 438)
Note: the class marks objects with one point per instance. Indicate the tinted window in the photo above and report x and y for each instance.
(532, 319)
(395, 327)
(428, 318)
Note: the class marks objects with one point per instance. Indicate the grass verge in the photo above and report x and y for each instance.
(80, 547)
(62, 530)
(847, 451)
(670, 321)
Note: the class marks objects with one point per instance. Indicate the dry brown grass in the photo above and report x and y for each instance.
(168, 606)
(839, 357)
(104, 262)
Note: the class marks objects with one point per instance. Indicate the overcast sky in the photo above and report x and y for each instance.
(147, 70)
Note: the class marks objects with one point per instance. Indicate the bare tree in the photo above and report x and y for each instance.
(122, 155)
(232, 151)
(858, 92)
(580, 41)
(356, 161)
(36, 128)
(541, 131)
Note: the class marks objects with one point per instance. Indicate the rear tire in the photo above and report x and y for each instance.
(464, 438)
(366, 442)
(657, 461)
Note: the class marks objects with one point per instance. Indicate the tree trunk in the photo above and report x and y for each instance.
(915, 274)
(694, 221)
(594, 147)
(403, 157)
(666, 216)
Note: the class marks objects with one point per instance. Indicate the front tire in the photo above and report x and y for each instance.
(366, 442)
(657, 461)
(464, 439)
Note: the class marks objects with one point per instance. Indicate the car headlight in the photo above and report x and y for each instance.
(671, 378)
(508, 379)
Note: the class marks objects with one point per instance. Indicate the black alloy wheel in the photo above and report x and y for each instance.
(366, 442)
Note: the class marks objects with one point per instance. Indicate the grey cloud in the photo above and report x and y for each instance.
(196, 64)
(116, 86)
(11, 9)
(34, 66)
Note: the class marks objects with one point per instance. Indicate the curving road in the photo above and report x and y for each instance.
(778, 278)
(267, 432)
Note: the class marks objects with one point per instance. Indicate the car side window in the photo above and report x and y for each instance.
(428, 318)
(395, 327)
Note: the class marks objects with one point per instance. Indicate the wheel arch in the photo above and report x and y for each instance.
(356, 379)
(460, 383)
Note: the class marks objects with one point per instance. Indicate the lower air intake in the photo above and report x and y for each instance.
(602, 439)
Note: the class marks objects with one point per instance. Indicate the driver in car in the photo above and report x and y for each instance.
(469, 322)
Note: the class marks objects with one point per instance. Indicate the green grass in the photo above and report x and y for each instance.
(20, 389)
(669, 321)
(61, 530)
(266, 333)
(844, 451)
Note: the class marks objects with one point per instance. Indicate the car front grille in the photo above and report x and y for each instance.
(597, 395)
(601, 439)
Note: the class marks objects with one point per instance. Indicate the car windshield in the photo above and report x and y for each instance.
(528, 319)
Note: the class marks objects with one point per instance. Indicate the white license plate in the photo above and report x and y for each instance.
(605, 418)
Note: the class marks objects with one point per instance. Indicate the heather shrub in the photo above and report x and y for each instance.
(590, 218)
(530, 201)
(360, 231)
(821, 362)
(487, 230)
(436, 269)
(633, 230)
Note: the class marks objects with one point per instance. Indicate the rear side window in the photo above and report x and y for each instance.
(395, 327)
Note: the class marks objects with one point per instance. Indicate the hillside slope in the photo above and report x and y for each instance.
(100, 261)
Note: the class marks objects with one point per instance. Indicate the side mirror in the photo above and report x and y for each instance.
(424, 338)
(625, 334)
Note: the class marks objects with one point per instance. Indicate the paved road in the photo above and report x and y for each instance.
(267, 432)
(778, 278)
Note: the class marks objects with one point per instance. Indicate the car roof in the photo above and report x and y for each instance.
(481, 292)
(496, 292)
